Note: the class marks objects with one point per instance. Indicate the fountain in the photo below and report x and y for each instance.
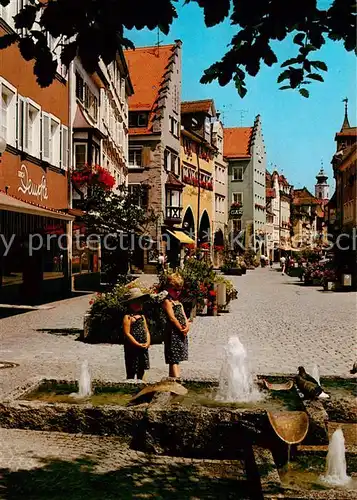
(315, 373)
(84, 384)
(336, 473)
(236, 381)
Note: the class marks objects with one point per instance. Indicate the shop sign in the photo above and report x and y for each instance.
(235, 213)
(29, 187)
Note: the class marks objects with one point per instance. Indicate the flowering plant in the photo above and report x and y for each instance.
(93, 175)
(236, 204)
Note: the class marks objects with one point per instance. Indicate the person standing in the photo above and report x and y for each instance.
(283, 264)
(136, 336)
(160, 263)
(177, 326)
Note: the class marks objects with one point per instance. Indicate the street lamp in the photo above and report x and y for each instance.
(2, 145)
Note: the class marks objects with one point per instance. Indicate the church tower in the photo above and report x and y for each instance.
(321, 187)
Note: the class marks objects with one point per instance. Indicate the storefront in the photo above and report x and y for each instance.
(34, 231)
(34, 252)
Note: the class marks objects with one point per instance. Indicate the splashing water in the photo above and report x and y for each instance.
(315, 373)
(236, 381)
(84, 383)
(336, 470)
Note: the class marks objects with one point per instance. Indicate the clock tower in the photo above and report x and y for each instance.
(321, 187)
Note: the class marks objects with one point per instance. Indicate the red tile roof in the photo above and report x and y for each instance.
(237, 142)
(147, 68)
(304, 197)
(203, 106)
(347, 132)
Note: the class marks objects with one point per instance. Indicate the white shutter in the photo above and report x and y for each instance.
(64, 147)
(46, 136)
(25, 126)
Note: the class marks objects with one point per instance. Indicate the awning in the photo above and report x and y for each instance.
(12, 204)
(182, 237)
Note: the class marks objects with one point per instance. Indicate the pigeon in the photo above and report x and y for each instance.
(308, 386)
(354, 368)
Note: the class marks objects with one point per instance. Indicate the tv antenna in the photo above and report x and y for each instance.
(242, 112)
(158, 42)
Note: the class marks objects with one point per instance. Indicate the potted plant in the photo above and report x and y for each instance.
(243, 266)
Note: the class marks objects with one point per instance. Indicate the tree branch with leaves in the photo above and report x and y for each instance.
(95, 29)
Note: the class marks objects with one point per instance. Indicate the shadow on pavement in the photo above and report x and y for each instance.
(75, 480)
(61, 331)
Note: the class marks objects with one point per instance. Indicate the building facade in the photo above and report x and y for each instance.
(99, 118)
(220, 188)
(245, 153)
(154, 143)
(307, 217)
(343, 221)
(34, 180)
(198, 167)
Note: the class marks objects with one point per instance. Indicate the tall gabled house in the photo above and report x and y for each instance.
(343, 206)
(245, 152)
(154, 140)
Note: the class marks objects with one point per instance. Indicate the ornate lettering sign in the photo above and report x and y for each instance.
(27, 186)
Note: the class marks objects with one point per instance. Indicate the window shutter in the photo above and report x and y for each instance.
(25, 126)
(146, 157)
(64, 146)
(46, 136)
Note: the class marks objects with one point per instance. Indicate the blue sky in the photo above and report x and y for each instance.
(298, 132)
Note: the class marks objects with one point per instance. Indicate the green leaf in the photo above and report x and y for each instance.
(284, 75)
(319, 65)
(315, 76)
(304, 93)
(285, 87)
(8, 39)
(298, 39)
(288, 62)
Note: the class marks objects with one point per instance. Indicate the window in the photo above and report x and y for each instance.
(140, 194)
(79, 87)
(174, 164)
(237, 197)
(135, 158)
(138, 119)
(80, 154)
(32, 122)
(8, 115)
(91, 103)
(237, 226)
(173, 198)
(237, 173)
(174, 126)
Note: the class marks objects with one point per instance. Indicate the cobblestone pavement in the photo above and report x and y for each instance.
(54, 466)
(281, 324)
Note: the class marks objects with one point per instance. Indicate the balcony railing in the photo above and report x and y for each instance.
(173, 213)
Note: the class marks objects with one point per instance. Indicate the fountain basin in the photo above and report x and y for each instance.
(195, 425)
(302, 480)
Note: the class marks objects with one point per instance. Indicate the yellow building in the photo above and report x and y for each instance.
(197, 163)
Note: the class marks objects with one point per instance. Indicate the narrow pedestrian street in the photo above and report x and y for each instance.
(281, 323)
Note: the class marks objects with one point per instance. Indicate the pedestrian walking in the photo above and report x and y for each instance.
(177, 327)
(282, 263)
(136, 336)
(160, 263)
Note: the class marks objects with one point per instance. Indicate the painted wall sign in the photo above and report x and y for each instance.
(27, 186)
